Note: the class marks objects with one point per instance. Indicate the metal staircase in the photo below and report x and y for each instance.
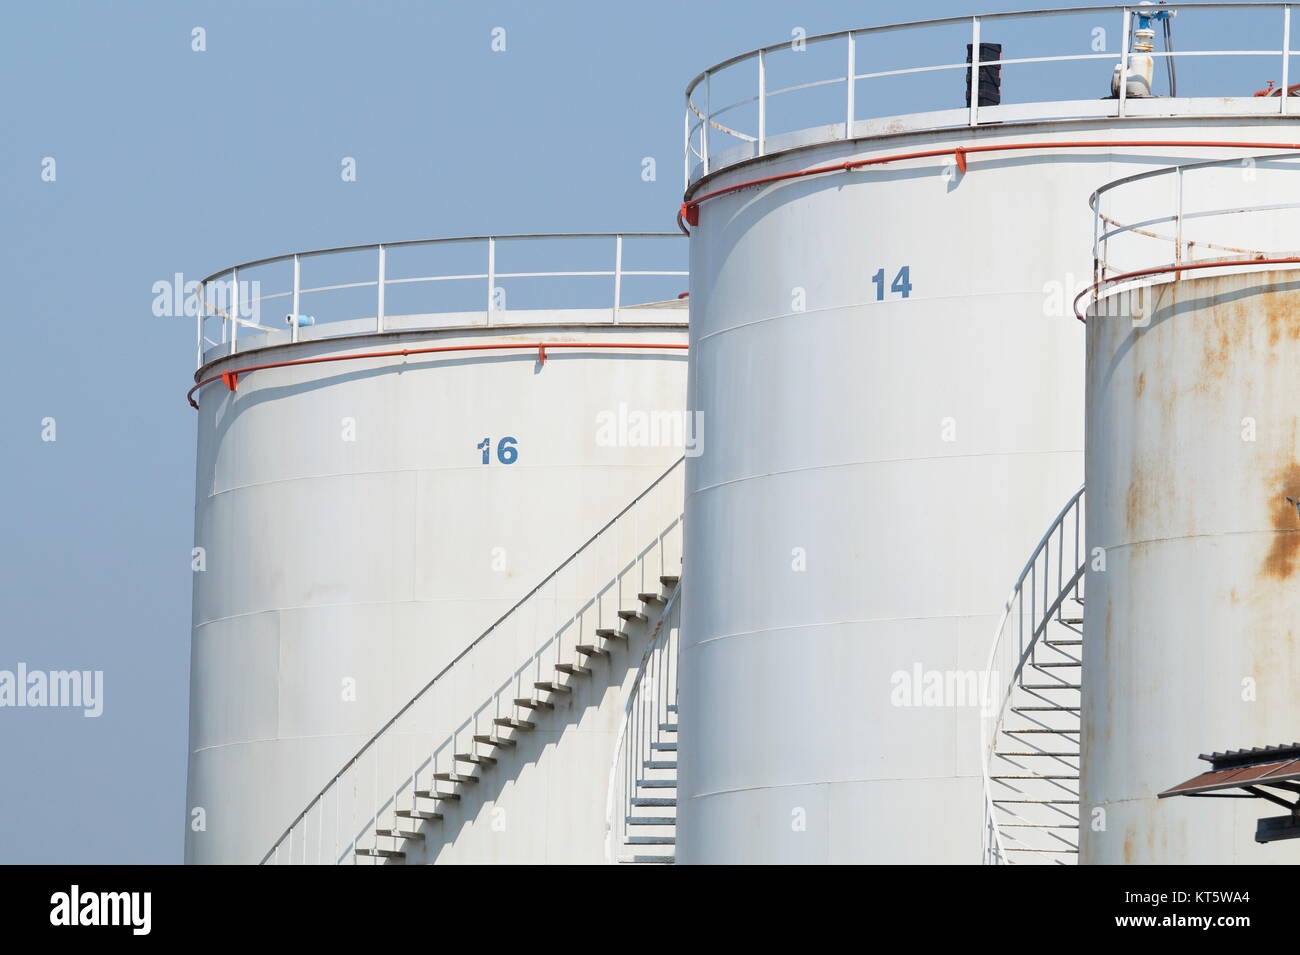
(617, 590)
(1030, 728)
(641, 813)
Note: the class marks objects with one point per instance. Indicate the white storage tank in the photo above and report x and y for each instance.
(360, 521)
(880, 278)
(1193, 474)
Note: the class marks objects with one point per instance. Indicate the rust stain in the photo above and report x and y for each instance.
(1283, 556)
(1141, 384)
(1132, 502)
(1217, 351)
(1222, 335)
(1283, 317)
(1143, 502)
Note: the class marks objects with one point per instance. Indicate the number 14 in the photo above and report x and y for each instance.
(902, 283)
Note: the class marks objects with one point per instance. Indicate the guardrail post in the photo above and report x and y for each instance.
(974, 70)
(1178, 220)
(618, 274)
(379, 306)
(704, 128)
(685, 148)
(1286, 58)
(491, 276)
(297, 296)
(234, 308)
(762, 103)
(1123, 72)
(852, 87)
(198, 321)
(1098, 266)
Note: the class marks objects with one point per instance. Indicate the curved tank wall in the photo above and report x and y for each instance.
(355, 542)
(1190, 632)
(894, 400)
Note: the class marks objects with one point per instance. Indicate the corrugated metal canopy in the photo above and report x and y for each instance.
(1240, 769)
(1233, 778)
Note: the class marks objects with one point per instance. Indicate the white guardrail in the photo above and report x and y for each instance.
(1054, 64)
(360, 282)
(1197, 214)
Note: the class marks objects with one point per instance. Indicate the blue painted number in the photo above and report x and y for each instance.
(507, 450)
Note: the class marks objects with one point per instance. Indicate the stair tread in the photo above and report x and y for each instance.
(632, 615)
(514, 724)
(591, 650)
(647, 802)
(494, 740)
(647, 860)
(573, 669)
(551, 686)
(1042, 709)
(476, 758)
(455, 778)
(1042, 802)
(608, 633)
(1021, 849)
(1037, 825)
(382, 853)
(419, 814)
(534, 704)
(398, 834)
(650, 840)
(1074, 754)
(651, 820)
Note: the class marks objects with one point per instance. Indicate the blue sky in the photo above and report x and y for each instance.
(170, 160)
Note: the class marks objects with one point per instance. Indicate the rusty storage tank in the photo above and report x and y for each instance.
(1193, 470)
